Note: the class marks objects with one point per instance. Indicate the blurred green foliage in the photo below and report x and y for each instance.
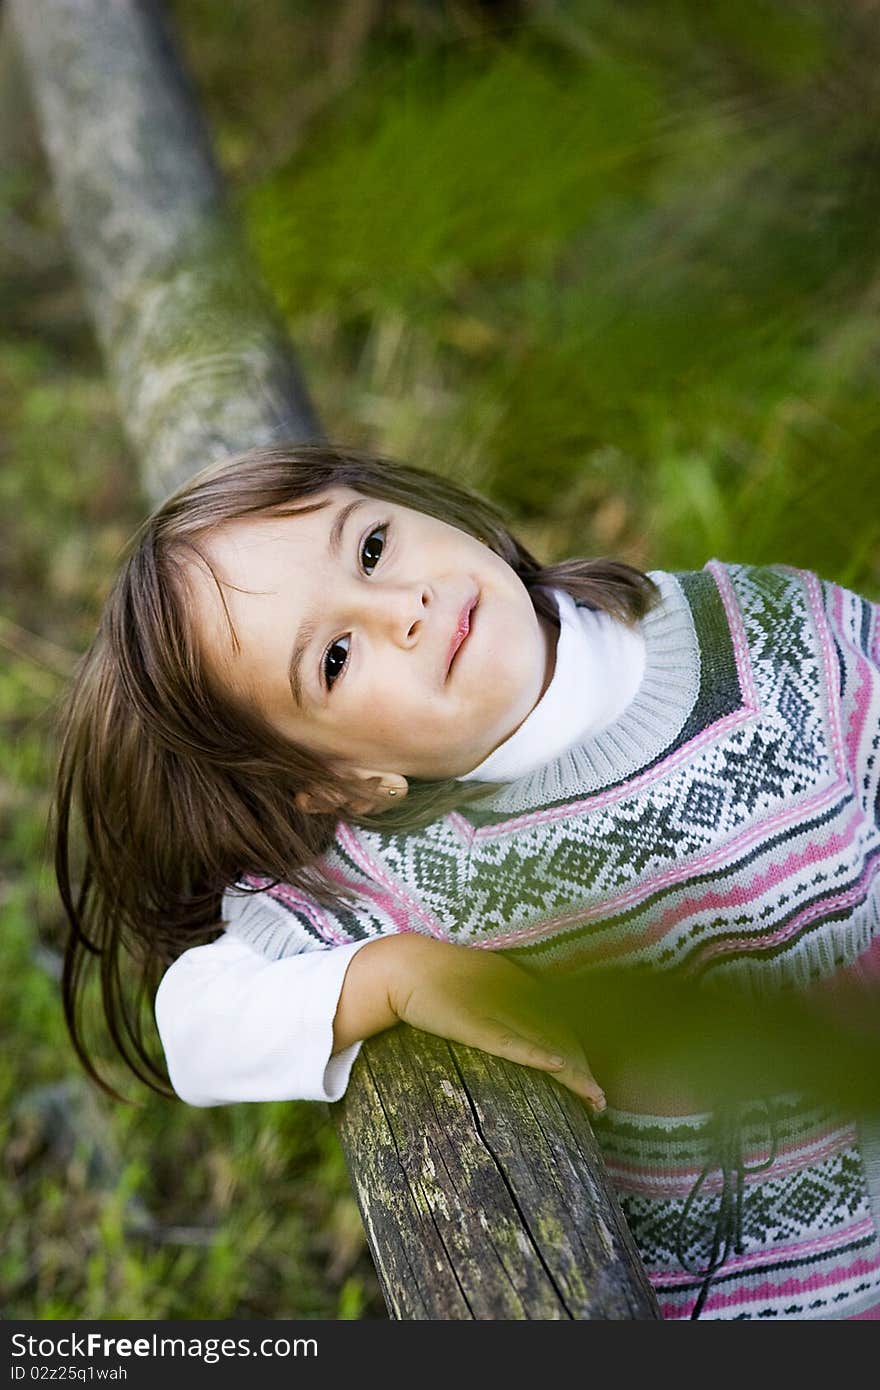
(616, 264)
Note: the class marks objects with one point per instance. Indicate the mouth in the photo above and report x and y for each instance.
(462, 629)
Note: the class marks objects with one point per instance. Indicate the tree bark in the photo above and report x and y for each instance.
(198, 355)
(19, 141)
(481, 1189)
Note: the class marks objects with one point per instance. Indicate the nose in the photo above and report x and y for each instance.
(398, 611)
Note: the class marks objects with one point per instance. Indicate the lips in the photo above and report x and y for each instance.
(462, 628)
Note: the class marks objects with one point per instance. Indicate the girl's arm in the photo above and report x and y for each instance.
(238, 1026)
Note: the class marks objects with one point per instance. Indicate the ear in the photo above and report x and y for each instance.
(381, 791)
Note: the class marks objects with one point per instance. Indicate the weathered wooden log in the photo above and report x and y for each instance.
(482, 1193)
(19, 140)
(481, 1188)
(198, 355)
(27, 251)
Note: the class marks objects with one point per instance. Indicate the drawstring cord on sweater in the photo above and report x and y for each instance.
(727, 1155)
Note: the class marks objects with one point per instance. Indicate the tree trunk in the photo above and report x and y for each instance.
(197, 353)
(19, 141)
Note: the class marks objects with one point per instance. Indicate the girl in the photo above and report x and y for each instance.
(335, 706)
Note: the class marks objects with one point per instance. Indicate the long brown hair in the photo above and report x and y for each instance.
(167, 790)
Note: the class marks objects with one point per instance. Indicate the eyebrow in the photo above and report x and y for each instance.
(310, 626)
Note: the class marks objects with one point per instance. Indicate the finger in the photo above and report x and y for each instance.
(504, 1041)
(581, 1081)
(576, 1073)
(583, 1072)
(545, 1054)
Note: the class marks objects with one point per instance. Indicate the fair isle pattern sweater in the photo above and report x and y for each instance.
(726, 825)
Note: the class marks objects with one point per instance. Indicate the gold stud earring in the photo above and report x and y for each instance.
(392, 791)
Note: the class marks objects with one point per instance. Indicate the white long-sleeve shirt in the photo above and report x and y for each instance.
(238, 1026)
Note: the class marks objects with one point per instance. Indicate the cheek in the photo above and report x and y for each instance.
(511, 644)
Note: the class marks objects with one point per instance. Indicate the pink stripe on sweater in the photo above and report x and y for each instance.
(863, 694)
(631, 787)
(774, 876)
(298, 901)
(385, 904)
(857, 723)
(741, 1264)
(791, 1158)
(394, 894)
(676, 873)
(737, 632)
(791, 1287)
(852, 898)
(829, 657)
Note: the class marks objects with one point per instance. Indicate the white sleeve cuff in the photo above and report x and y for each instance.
(237, 1026)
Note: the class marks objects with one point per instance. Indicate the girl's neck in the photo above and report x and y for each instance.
(550, 632)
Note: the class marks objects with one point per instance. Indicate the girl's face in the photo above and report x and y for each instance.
(392, 643)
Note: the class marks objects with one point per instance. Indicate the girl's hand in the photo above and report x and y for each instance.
(484, 1000)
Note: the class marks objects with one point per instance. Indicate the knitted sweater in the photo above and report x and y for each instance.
(726, 825)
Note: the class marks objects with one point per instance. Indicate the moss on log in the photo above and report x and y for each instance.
(481, 1189)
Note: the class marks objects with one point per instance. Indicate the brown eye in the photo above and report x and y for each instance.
(335, 658)
(371, 550)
